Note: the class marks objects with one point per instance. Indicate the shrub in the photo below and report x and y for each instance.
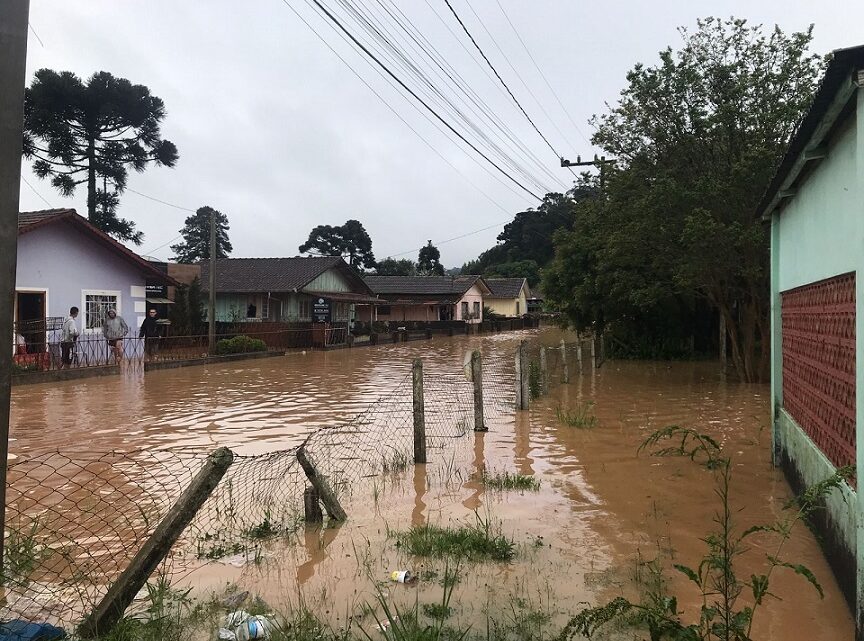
(240, 345)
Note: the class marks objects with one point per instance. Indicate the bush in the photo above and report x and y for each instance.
(240, 345)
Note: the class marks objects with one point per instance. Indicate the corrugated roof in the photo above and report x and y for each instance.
(421, 285)
(250, 275)
(505, 287)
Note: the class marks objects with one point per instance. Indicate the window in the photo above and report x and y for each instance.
(96, 306)
(383, 310)
(464, 310)
(476, 309)
(304, 308)
(265, 308)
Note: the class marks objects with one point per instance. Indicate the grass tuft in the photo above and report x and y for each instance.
(478, 541)
(507, 481)
(581, 417)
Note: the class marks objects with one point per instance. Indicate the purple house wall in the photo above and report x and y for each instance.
(64, 258)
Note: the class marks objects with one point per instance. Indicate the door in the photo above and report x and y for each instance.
(30, 319)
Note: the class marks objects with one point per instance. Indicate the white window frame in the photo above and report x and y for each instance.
(98, 292)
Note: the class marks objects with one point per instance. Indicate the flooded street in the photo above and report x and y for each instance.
(600, 508)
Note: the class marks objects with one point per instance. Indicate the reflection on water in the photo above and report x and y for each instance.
(599, 502)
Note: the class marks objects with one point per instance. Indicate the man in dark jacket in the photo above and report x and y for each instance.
(151, 332)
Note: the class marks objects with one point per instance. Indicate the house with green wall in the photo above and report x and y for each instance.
(815, 207)
(285, 289)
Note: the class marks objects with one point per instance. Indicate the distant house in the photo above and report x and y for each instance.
(428, 298)
(64, 261)
(535, 301)
(815, 205)
(286, 289)
(509, 296)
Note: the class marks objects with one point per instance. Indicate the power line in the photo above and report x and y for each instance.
(450, 240)
(542, 75)
(36, 34)
(396, 113)
(336, 21)
(162, 202)
(33, 189)
(150, 251)
(500, 79)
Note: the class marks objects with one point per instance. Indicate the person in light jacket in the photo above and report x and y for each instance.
(68, 335)
(114, 328)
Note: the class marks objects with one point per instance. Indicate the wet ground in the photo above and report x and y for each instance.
(600, 509)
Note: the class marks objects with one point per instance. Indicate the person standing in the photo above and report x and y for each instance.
(151, 332)
(68, 336)
(115, 329)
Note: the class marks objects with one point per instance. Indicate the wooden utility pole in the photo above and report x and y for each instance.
(419, 412)
(211, 306)
(13, 59)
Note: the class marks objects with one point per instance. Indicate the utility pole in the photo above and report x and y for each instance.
(13, 62)
(600, 162)
(211, 307)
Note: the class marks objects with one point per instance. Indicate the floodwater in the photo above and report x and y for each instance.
(601, 507)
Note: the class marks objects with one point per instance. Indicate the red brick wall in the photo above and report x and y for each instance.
(819, 363)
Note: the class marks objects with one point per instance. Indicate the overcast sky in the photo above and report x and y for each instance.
(275, 131)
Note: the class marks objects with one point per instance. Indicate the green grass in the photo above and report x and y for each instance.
(507, 481)
(23, 552)
(478, 541)
(581, 417)
(437, 610)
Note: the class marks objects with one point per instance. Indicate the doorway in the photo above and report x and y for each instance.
(30, 319)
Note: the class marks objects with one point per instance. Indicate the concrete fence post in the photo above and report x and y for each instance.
(565, 368)
(321, 485)
(477, 378)
(419, 412)
(121, 593)
(544, 372)
(594, 350)
(579, 351)
(523, 394)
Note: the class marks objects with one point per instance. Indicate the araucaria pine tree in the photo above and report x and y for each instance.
(196, 237)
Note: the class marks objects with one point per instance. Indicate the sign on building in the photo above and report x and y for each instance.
(321, 310)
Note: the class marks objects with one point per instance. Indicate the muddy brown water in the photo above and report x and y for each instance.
(601, 507)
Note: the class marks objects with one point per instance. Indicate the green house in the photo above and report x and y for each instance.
(815, 206)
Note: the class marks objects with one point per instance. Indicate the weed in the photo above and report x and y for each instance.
(504, 481)
(396, 464)
(729, 603)
(581, 417)
(437, 610)
(164, 618)
(23, 552)
(479, 540)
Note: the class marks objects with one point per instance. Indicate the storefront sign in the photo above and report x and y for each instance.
(321, 310)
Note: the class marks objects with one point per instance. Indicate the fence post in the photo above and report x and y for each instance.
(121, 593)
(522, 393)
(419, 412)
(594, 350)
(602, 349)
(312, 506)
(322, 487)
(477, 377)
(544, 372)
(579, 351)
(565, 373)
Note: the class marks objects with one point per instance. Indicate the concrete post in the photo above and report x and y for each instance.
(544, 372)
(419, 413)
(565, 368)
(579, 351)
(211, 301)
(477, 377)
(523, 393)
(594, 351)
(518, 377)
(109, 611)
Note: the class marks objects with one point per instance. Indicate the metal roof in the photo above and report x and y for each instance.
(255, 275)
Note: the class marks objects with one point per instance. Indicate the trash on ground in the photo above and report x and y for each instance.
(403, 576)
(235, 600)
(386, 624)
(18, 630)
(242, 626)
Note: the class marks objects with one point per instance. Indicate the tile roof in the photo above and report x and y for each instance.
(505, 287)
(31, 220)
(248, 275)
(420, 285)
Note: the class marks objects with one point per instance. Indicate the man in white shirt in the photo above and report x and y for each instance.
(68, 335)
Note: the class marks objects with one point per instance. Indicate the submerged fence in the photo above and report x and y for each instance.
(85, 529)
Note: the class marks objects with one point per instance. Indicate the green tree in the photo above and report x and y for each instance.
(196, 237)
(350, 240)
(429, 260)
(396, 267)
(80, 132)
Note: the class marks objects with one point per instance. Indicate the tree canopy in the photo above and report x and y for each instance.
(429, 261)
(196, 237)
(349, 240)
(92, 132)
(396, 267)
(697, 138)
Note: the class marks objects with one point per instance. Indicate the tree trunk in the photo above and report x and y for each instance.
(91, 179)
